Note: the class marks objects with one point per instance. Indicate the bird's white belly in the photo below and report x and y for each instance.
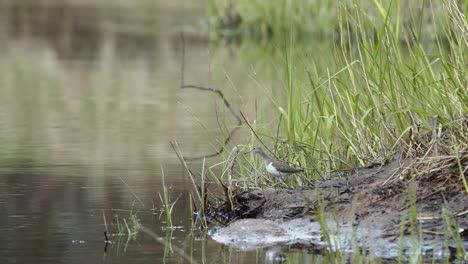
(272, 170)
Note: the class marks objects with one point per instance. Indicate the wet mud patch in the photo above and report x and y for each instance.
(370, 209)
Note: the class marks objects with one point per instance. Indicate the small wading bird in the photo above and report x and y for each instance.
(273, 166)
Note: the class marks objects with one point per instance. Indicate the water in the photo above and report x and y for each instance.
(59, 218)
(89, 102)
(50, 218)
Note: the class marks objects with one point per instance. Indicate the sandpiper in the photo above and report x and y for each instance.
(274, 166)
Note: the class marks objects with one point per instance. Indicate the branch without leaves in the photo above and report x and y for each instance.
(220, 94)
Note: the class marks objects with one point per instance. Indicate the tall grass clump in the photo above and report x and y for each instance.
(384, 89)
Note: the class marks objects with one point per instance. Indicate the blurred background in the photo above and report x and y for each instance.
(89, 102)
(97, 82)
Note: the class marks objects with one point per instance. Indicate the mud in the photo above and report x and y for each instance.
(368, 209)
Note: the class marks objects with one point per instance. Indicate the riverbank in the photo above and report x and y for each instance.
(406, 208)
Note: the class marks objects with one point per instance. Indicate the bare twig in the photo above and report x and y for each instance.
(134, 194)
(255, 133)
(213, 90)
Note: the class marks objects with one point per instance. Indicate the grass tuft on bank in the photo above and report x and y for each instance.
(385, 95)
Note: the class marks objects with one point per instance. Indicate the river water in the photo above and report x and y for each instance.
(89, 104)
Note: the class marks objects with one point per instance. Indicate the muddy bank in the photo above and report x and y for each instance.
(370, 207)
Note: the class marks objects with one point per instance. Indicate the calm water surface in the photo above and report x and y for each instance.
(89, 102)
(58, 218)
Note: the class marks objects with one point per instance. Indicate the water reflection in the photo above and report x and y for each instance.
(49, 218)
(76, 29)
(89, 101)
(44, 214)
